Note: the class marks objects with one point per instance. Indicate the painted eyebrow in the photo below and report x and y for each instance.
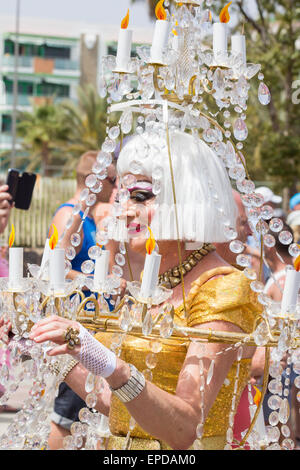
(141, 185)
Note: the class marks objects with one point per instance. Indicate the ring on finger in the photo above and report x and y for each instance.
(71, 337)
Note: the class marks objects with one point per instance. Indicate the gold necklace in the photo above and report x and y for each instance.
(172, 277)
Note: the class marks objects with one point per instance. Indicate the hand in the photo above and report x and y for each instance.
(5, 327)
(5, 206)
(283, 361)
(53, 329)
(122, 287)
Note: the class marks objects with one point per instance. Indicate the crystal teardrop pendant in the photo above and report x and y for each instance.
(166, 327)
(147, 324)
(264, 94)
(90, 383)
(126, 121)
(240, 130)
(210, 372)
(284, 411)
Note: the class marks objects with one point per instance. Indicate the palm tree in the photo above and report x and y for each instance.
(87, 123)
(58, 134)
(43, 130)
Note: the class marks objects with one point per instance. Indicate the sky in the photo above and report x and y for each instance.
(83, 15)
(87, 11)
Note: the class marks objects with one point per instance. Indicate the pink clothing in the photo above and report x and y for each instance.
(3, 264)
(242, 419)
(4, 355)
(4, 359)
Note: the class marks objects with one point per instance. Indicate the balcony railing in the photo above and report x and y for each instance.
(23, 61)
(28, 100)
(27, 62)
(66, 64)
(5, 138)
(23, 100)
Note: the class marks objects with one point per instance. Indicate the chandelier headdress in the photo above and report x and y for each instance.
(182, 106)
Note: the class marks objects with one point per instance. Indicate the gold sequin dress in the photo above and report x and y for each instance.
(226, 298)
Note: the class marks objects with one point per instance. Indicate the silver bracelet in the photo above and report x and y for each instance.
(132, 388)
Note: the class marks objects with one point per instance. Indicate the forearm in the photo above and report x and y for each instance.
(76, 381)
(159, 413)
(72, 274)
(3, 222)
(163, 415)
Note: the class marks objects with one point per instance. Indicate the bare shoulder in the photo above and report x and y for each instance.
(64, 211)
(274, 292)
(211, 262)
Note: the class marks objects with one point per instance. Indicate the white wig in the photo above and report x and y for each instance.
(204, 199)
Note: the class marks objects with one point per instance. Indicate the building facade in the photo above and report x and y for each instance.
(55, 57)
(47, 67)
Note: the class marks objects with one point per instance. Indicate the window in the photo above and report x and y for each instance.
(112, 49)
(9, 46)
(6, 123)
(50, 89)
(24, 88)
(35, 50)
(57, 52)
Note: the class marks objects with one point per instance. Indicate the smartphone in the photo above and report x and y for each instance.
(21, 187)
(12, 182)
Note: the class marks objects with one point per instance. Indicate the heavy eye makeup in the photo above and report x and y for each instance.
(141, 192)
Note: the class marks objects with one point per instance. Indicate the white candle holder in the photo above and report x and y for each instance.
(160, 294)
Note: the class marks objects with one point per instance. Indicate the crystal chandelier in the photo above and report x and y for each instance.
(185, 80)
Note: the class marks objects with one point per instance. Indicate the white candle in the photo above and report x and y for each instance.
(238, 46)
(45, 258)
(15, 267)
(160, 39)
(220, 35)
(150, 275)
(260, 425)
(57, 270)
(175, 42)
(291, 290)
(124, 49)
(101, 269)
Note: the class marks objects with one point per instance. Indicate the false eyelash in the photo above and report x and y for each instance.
(141, 196)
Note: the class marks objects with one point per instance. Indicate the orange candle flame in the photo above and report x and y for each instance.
(297, 263)
(54, 238)
(125, 21)
(11, 236)
(160, 12)
(224, 15)
(174, 30)
(257, 396)
(150, 243)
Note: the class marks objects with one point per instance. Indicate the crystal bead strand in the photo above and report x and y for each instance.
(252, 408)
(94, 386)
(274, 402)
(284, 410)
(229, 433)
(151, 362)
(200, 427)
(198, 445)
